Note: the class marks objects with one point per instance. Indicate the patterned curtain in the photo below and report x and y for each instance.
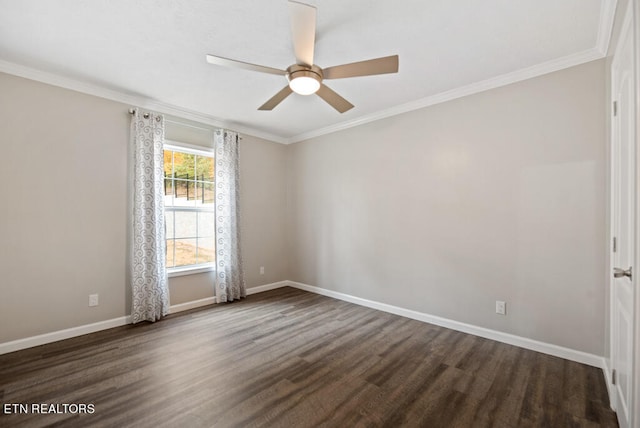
(150, 291)
(229, 276)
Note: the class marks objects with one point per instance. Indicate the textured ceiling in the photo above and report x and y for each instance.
(155, 50)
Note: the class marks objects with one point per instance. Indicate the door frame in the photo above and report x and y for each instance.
(635, 24)
(633, 14)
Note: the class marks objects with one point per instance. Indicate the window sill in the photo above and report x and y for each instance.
(189, 270)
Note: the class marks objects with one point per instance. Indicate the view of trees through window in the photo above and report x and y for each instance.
(189, 191)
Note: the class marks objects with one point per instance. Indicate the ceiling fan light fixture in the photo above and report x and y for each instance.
(304, 85)
(304, 80)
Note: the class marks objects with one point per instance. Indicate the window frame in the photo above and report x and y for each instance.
(177, 146)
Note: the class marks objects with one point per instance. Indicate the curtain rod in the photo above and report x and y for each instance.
(146, 116)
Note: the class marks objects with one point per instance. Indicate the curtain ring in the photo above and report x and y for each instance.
(145, 115)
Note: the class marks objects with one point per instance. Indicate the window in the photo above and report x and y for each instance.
(189, 208)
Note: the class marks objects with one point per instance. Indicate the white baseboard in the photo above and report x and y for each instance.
(511, 339)
(191, 305)
(54, 336)
(523, 342)
(267, 287)
(609, 381)
(212, 300)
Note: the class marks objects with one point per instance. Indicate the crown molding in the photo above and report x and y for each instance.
(605, 25)
(463, 91)
(113, 95)
(130, 99)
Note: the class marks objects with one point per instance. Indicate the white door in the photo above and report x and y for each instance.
(624, 190)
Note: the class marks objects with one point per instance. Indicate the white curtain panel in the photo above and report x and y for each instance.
(229, 276)
(150, 291)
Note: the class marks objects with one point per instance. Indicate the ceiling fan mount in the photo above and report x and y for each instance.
(304, 77)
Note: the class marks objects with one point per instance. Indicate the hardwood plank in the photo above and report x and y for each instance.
(288, 358)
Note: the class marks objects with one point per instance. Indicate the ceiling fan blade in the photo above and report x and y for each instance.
(334, 100)
(303, 31)
(384, 65)
(225, 62)
(276, 99)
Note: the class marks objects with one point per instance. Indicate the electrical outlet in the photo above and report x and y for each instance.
(93, 300)
(501, 307)
(261, 270)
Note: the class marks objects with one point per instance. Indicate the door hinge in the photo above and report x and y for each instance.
(615, 244)
(613, 376)
(615, 108)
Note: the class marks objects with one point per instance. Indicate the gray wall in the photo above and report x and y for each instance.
(444, 210)
(500, 195)
(64, 210)
(64, 206)
(263, 199)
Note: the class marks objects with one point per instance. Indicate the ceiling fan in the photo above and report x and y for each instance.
(306, 78)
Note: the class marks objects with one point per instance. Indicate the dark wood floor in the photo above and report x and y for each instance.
(288, 358)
